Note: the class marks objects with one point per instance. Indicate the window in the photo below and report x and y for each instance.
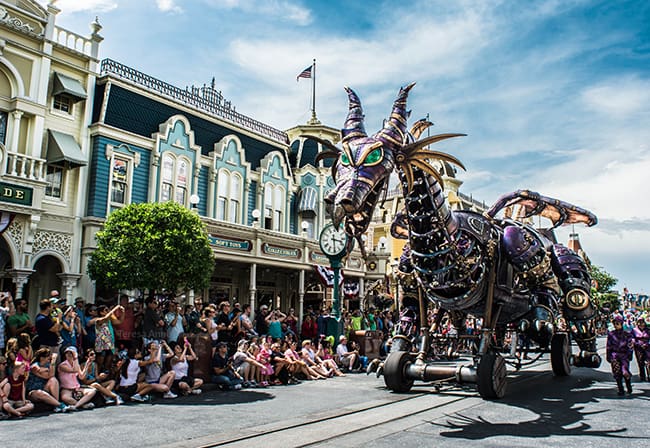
(3, 127)
(54, 179)
(119, 182)
(229, 192)
(167, 178)
(175, 179)
(274, 207)
(62, 103)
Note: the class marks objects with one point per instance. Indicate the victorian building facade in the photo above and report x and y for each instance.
(47, 81)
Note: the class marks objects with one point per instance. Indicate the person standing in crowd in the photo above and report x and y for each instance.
(274, 320)
(292, 321)
(224, 324)
(175, 321)
(125, 326)
(309, 329)
(20, 322)
(193, 317)
(80, 310)
(620, 344)
(89, 327)
(6, 310)
(69, 327)
(245, 322)
(47, 328)
(105, 336)
(261, 325)
(641, 335)
(153, 325)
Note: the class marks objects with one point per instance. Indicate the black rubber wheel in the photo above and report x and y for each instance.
(492, 376)
(561, 354)
(394, 372)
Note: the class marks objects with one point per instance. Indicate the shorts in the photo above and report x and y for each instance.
(186, 379)
(128, 390)
(104, 353)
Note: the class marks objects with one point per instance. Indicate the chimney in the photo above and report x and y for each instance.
(574, 243)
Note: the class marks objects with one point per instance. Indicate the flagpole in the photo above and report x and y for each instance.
(313, 91)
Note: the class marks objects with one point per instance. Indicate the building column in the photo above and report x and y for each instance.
(253, 288)
(20, 277)
(69, 281)
(15, 130)
(301, 297)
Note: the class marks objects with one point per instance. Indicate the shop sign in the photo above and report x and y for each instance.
(319, 258)
(281, 251)
(15, 194)
(230, 243)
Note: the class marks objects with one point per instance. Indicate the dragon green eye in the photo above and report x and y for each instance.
(374, 157)
(345, 160)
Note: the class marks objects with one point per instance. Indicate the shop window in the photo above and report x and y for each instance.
(62, 103)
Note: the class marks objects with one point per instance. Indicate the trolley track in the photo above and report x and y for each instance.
(395, 413)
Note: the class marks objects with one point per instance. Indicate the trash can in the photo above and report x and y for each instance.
(369, 343)
(202, 345)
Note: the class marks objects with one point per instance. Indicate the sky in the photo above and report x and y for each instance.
(554, 95)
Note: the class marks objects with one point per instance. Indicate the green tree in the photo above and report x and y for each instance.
(152, 246)
(601, 288)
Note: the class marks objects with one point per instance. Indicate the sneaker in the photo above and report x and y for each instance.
(72, 409)
(237, 387)
(88, 406)
(196, 391)
(169, 394)
(118, 400)
(138, 397)
(109, 400)
(61, 408)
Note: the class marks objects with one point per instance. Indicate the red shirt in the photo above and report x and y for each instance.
(17, 384)
(125, 330)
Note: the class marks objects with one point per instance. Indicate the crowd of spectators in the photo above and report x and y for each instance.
(73, 358)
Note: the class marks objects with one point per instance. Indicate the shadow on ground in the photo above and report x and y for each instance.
(559, 409)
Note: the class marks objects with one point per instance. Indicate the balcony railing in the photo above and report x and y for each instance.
(73, 41)
(203, 99)
(24, 166)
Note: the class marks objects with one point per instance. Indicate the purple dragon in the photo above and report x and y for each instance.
(498, 269)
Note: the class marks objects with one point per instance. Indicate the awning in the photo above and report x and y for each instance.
(307, 202)
(64, 148)
(63, 84)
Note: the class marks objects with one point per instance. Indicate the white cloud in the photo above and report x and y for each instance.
(618, 97)
(168, 6)
(71, 6)
(276, 8)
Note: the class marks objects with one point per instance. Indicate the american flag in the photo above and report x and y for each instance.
(306, 73)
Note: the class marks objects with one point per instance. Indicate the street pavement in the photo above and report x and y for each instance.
(581, 410)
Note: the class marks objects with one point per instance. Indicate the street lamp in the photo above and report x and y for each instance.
(194, 201)
(256, 217)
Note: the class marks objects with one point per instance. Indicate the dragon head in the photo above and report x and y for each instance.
(364, 163)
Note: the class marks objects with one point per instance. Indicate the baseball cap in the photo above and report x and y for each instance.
(342, 337)
(222, 344)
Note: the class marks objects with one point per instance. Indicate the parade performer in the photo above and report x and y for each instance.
(641, 335)
(619, 353)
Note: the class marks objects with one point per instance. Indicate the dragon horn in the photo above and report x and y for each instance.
(394, 129)
(353, 127)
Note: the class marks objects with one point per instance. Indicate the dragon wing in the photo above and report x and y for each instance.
(532, 204)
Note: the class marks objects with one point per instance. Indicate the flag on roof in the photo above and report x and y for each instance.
(306, 73)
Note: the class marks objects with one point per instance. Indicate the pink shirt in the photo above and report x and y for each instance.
(68, 380)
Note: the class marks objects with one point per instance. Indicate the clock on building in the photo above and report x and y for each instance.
(333, 241)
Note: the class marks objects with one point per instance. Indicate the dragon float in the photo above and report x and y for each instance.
(493, 266)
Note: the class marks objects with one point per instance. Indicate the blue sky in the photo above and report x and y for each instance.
(554, 95)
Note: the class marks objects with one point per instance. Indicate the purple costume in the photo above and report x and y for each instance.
(619, 352)
(641, 335)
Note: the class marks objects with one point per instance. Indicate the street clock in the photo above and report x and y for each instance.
(333, 241)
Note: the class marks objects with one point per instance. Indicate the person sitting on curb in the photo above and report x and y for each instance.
(72, 394)
(223, 372)
(183, 383)
(347, 358)
(12, 392)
